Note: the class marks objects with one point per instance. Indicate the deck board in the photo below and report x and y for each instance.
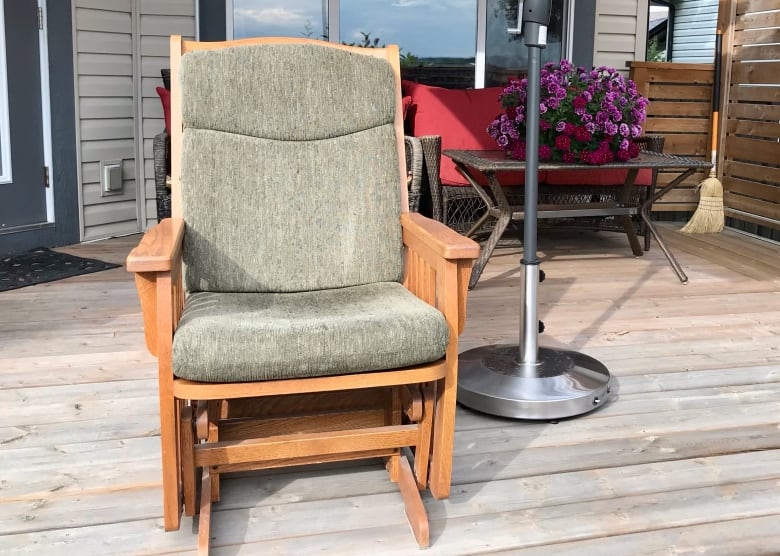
(685, 459)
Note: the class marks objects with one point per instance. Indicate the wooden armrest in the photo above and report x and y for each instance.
(159, 249)
(444, 241)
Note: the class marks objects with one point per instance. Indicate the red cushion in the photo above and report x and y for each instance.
(596, 176)
(461, 118)
(165, 97)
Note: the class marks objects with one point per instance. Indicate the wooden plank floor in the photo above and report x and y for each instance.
(685, 460)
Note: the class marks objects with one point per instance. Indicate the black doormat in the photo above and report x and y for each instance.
(44, 265)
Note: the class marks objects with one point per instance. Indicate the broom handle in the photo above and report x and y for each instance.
(716, 100)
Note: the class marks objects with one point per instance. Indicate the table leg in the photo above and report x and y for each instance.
(628, 225)
(645, 213)
(502, 220)
(479, 265)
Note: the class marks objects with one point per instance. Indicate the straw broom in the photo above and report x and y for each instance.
(708, 217)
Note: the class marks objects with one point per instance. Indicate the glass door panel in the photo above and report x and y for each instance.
(506, 55)
(437, 39)
(280, 18)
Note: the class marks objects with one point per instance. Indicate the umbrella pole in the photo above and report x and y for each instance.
(525, 381)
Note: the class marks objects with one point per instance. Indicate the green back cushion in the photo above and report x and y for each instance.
(290, 178)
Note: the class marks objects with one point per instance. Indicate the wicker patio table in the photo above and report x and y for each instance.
(490, 163)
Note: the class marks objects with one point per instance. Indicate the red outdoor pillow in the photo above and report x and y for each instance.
(461, 118)
(165, 97)
(406, 102)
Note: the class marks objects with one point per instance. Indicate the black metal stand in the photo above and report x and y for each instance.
(525, 381)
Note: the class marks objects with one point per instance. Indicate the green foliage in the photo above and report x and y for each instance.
(308, 31)
(409, 60)
(654, 51)
(366, 41)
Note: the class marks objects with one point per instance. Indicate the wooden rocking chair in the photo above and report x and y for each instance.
(317, 319)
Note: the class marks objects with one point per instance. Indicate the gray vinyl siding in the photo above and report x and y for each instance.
(158, 20)
(119, 48)
(693, 35)
(104, 93)
(621, 32)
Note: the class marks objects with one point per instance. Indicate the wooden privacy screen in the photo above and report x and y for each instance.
(750, 151)
(680, 109)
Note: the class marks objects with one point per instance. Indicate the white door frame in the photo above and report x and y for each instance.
(48, 160)
(5, 128)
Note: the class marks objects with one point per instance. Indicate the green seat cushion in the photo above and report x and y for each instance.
(238, 337)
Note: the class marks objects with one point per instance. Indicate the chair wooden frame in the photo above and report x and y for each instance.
(219, 427)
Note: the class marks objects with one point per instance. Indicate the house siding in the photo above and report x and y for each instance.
(119, 48)
(158, 19)
(621, 33)
(693, 32)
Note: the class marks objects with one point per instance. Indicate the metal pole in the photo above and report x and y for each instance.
(525, 381)
(535, 39)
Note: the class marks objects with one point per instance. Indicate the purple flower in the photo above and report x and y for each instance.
(585, 115)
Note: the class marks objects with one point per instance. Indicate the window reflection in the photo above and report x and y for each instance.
(506, 55)
(275, 18)
(437, 38)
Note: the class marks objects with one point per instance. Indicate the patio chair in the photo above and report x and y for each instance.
(302, 331)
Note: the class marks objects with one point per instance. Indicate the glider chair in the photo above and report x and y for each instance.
(299, 312)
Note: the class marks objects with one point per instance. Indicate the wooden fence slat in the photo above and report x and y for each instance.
(748, 6)
(756, 36)
(746, 111)
(766, 130)
(757, 52)
(752, 171)
(758, 20)
(666, 91)
(690, 125)
(687, 109)
(741, 93)
(686, 144)
(754, 73)
(752, 150)
(753, 206)
(752, 189)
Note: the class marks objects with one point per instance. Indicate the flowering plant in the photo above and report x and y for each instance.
(585, 116)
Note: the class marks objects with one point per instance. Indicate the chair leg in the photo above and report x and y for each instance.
(217, 410)
(393, 417)
(443, 439)
(204, 521)
(413, 504)
(422, 453)
(187, 445)
(171, 461)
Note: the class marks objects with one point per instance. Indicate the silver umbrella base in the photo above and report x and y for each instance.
(561, 383)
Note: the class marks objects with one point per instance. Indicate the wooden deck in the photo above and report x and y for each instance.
(686, 459)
